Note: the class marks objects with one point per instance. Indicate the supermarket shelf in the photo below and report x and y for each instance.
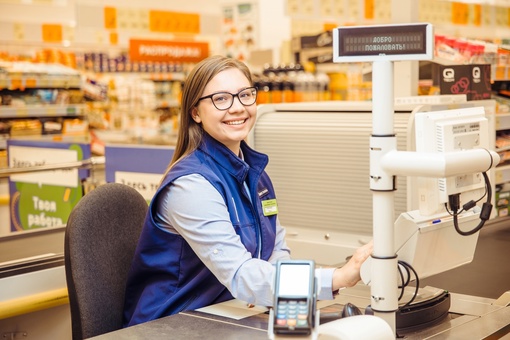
(155, 76)
(167, 76)
(503, 149)
(17, 82)
(502, 121)
(502, 174)
(42, 111)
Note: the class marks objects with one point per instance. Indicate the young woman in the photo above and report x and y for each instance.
(212, 231)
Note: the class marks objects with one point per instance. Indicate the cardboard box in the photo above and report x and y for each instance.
(317, 49)
(324, 39)
(473, 80)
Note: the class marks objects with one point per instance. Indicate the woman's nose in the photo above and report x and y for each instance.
(236, 104)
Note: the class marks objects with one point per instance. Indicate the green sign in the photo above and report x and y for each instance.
(44, 199)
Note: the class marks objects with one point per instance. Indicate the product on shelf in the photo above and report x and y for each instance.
(38, 99)
(290, 83)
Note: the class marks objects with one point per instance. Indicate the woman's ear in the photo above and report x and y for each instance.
(195, 115)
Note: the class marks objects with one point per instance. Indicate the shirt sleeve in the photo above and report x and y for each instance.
(280, 251)
(193, 208)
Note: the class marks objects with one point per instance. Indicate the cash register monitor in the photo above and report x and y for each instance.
(319, 165)
(426, 238)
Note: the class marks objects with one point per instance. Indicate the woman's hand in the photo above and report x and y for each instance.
(349, 274)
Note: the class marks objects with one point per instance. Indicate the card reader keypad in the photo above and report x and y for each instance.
(292, 313)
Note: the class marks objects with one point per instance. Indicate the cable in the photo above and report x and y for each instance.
(408, 269)
(401, 286)
(407, 281)
(454, 202)
(471, 204)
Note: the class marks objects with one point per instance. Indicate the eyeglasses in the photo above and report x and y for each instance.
(225, 100)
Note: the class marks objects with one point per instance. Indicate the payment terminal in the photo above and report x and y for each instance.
(294, 298)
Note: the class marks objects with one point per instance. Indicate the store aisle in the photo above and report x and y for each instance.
(488, 275)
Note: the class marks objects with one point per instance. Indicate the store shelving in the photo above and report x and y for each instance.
(502, 147)
(38, 98)
(21, 82)
(22, 75)
(73, 110)
(502, 124)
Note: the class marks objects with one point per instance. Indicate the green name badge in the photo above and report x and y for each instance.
(270, 207)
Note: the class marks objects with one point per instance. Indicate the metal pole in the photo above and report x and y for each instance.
(384, 298)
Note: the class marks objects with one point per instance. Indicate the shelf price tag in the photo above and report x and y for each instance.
(52, 33)
(51, 111)
(19, 31)
(114, 38)
(460, 13)
(110, 18)
(43, 82)
(22, 112)
(75, 127)
(499, 177)
(16, 83)
(477, 15)
(30, 83)
(174, 22)
(369, 9)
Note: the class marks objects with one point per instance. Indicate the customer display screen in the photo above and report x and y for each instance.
(383, 41)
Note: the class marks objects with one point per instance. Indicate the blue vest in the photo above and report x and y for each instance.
(166, 276)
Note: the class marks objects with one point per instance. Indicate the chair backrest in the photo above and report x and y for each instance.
(100, 240)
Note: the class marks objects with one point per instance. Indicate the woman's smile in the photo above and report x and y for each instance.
(236, 122)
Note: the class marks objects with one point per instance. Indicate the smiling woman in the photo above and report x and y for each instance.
(212, 232)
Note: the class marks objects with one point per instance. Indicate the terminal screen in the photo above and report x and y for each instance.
(294, 280)
(381, 40)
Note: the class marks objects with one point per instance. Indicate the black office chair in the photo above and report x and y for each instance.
(100, 240)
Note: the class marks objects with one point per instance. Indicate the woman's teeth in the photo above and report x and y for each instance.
(236, 122)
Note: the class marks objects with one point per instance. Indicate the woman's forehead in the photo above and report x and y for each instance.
(229, 80)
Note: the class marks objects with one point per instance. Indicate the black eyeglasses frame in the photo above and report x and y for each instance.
(234, 95)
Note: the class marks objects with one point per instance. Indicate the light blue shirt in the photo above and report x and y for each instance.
(193, 208)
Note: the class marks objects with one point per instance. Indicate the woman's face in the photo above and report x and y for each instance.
(229, 126)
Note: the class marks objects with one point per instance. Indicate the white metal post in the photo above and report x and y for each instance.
(384, 299)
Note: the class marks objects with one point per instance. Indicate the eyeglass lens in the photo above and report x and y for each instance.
(224, 100)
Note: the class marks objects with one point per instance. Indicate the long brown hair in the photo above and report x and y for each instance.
(190, 132)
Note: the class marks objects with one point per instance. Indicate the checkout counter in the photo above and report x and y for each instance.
(288, 142)
(470, 317)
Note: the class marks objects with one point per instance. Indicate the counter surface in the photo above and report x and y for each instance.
(469, 317)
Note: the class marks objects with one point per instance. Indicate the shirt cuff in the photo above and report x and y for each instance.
(326, 284)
